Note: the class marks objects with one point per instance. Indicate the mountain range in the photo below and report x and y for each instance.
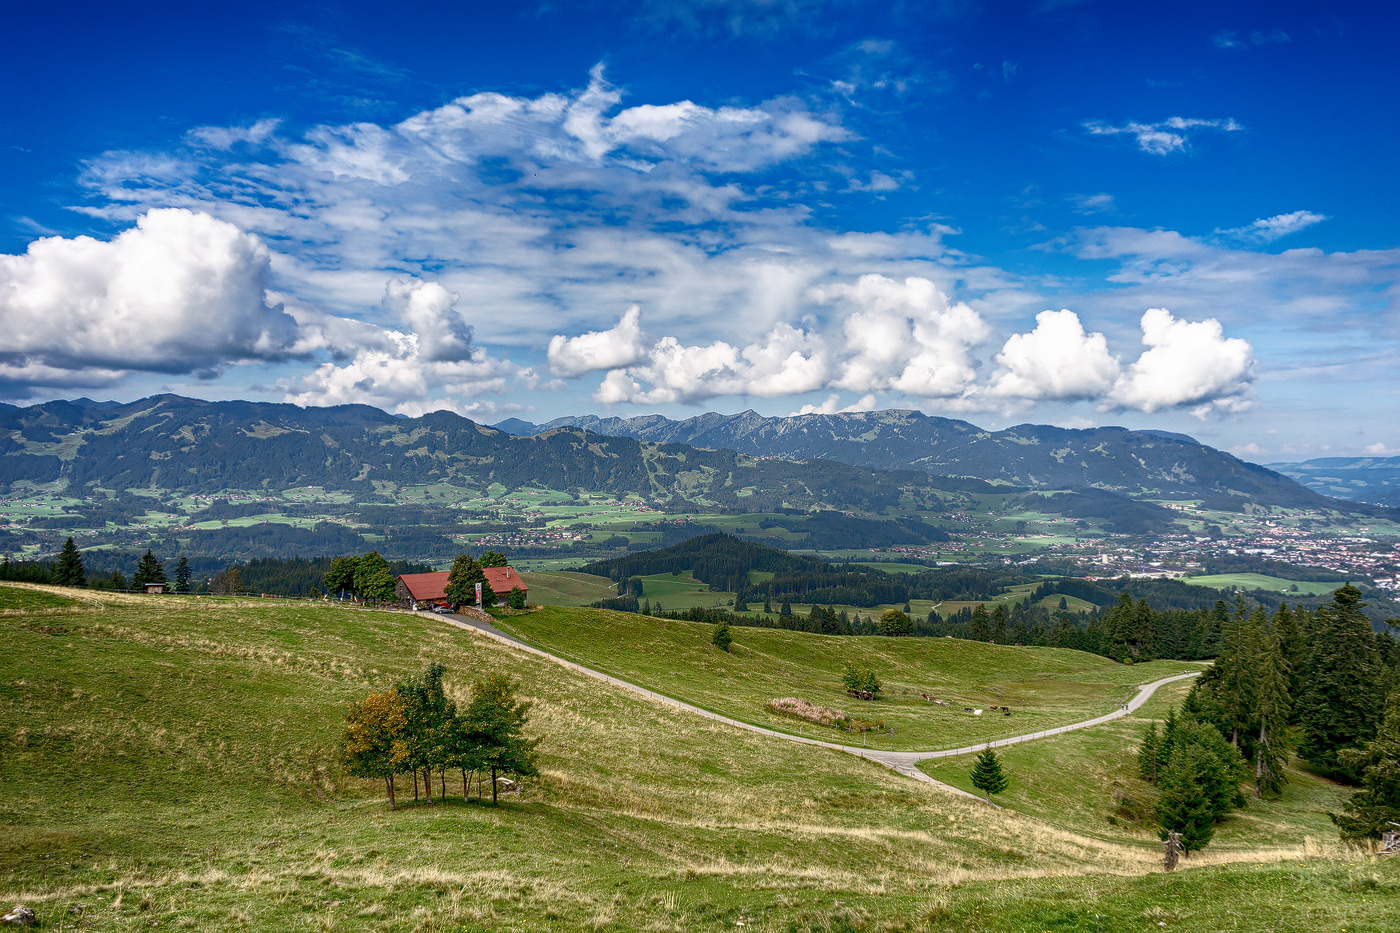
(1131, 463)
(862, 461)
(1362, 479)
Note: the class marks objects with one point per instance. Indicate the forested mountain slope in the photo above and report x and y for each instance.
(1034, 456)
(173, 443)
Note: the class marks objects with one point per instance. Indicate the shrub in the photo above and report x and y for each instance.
(861, 683)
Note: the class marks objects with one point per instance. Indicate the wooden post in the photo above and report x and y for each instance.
(1173, 851)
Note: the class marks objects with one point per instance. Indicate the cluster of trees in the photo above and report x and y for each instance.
(1198, 774)
(68, 569)
(417, 728)
(1314, 683)
(368, 577)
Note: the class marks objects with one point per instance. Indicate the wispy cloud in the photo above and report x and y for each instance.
(1229, 39)
(1170, 135)
(1268, 229)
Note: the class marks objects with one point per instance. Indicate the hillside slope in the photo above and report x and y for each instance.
(174, 443)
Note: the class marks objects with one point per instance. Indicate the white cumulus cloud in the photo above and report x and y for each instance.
(179, 292)
(1056, 360)
(788, 361)
(1187, 363)
(430, 365)
(905, 336)
(595, 351)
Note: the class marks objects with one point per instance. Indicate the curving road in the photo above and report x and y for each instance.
(905, 763)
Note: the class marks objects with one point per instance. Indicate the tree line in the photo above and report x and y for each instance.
(416, 728)
(1311, 683)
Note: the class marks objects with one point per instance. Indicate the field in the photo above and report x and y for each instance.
(16, 598)
(1259, 581)
(563, 588)
(1087, 781)
(170, 763)
(1044, 687)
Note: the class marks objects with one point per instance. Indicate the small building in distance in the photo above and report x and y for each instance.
(153, 588)
(424, 590)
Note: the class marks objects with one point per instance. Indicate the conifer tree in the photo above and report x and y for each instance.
(148, 571)
(1184, 805)
(69, 569)
(1340, 707)
(183, 573)
(1272, 706)
(980, 628)
(722, 638)
(987, 775)
(1292, 648)
(1147, 754)
(1372, 809)
(999, 625)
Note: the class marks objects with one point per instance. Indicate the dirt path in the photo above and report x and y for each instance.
(905, 763)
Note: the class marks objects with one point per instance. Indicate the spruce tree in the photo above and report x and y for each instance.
(1293, 649)
(1372, 809)
(1340, 707)
(987, 775)
(183, 573)
(69, 569)
(1184, 805)
(722, 638)
(1147, 754)
(148, 571)
(999, 626)
(1272, 706)
(980, 628)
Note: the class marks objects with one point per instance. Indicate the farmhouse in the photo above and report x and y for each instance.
(422, 590)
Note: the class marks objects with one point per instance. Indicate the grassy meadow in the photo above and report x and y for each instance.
(170, 762)
(1044, 687)
(1087, 781)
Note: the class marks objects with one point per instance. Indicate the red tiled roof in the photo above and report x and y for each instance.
(426, 587)
(503, 580)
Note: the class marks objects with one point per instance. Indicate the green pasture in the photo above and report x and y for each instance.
(1087, 781)
(26, 599)
(564, 588)
(1043, 686)
(1259, 581)
(171, 764)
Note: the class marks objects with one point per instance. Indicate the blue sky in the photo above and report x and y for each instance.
(1073, 213)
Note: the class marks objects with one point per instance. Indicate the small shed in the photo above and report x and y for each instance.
(153, 588)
